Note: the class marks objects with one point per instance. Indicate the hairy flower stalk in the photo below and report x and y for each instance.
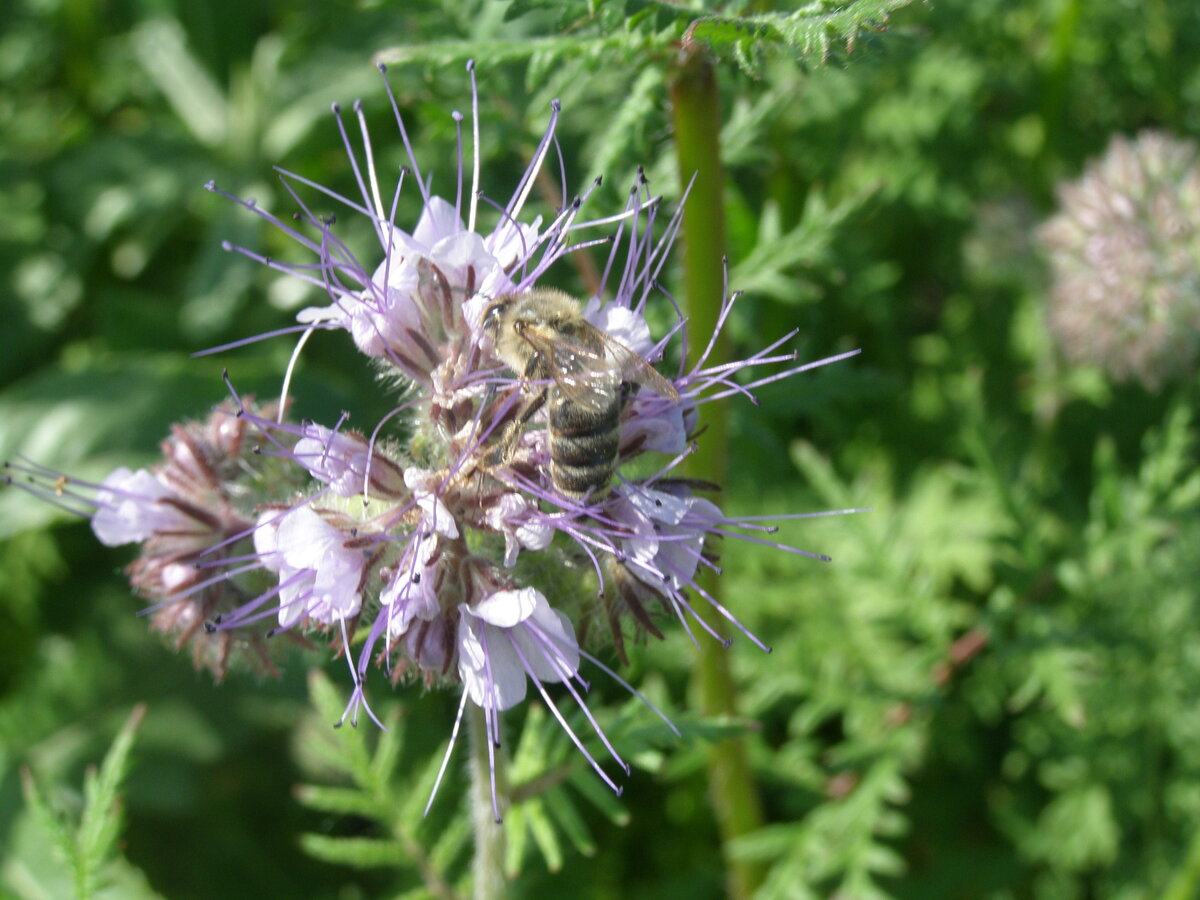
(422, 546)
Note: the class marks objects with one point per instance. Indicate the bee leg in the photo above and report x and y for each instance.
(503, 448)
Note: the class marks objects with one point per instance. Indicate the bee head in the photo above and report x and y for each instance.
(494, 315)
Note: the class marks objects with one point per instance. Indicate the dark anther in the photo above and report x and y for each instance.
(382, 67)
(217, 619)
(470, 65)
(727, 643)
(210, 627)
(358, 106)
(416, 579)
(556, 104)
(353, 532)
(336, 107)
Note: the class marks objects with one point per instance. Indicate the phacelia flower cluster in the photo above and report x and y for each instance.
(435, 546)
(1124, 251)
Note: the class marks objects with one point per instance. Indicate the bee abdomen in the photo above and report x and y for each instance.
(576, 481)
(583, 446)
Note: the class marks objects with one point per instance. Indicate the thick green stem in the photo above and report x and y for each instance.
(488, 866)
(696, 114)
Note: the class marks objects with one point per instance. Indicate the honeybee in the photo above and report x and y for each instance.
(586, 374)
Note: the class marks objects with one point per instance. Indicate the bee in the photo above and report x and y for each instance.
(585, 377)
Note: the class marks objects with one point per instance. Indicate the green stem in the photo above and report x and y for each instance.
(1186, 881)
(488, 866)
(696, 114)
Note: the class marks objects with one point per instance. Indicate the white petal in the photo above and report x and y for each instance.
(438, 220)
(129, 509)
(483, 651)
(552, 652)
(504, 609)
(266, 538)
(306, 540)
(622, 323)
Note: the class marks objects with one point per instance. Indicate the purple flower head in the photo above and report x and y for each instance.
(189, 516)
(320, 572)
(132, 507)
(431, 537)
(343, 460)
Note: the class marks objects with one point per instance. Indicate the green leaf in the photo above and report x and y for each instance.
(544, 834)
(345, 801)
(361, 853)
(161, 47)
(560, 806)
(598, 794)
(89, 847)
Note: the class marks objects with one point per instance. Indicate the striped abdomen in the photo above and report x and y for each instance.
(583, 444)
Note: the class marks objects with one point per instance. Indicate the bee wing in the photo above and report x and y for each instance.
(585, 375)
(634, 368)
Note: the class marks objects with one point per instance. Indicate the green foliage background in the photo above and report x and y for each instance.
(991, 691)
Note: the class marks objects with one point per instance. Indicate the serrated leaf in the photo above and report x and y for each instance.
(388, 747)
(362, 853)
(559, 804)
(418, 792)
(451, 843)
(100, 822)
(544, 834)
(600, 796)
(516, 839)
(352, 755)
(55, 828)
(161, 48)
(345, 801)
